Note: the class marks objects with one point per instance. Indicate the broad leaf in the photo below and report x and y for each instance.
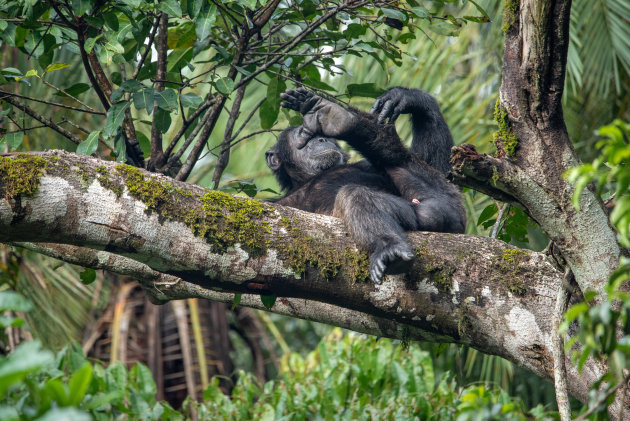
(269, 109)
(225, 85)
(144, 100)
(167, 99)
(115, 117)
(89, 145)
(204, 22)
(171, 8)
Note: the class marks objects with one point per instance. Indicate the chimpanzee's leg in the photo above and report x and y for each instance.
(377, 221)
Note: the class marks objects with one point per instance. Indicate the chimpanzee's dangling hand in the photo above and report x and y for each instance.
(321, 117)
(393, 103)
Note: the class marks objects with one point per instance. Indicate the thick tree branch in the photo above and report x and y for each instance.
(463, 289)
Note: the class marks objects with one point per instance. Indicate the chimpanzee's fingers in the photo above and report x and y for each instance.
(290, 100)
(376, 107)
(386, 112)
(395, 114)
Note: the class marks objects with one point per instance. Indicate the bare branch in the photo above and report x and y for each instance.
(4, 94)
(37, 116)
(224, 154)
(157, 154)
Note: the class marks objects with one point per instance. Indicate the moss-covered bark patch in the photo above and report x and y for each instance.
(302, 251)
(504, 139)
(223, 220)
(510, 14)
(20, 175)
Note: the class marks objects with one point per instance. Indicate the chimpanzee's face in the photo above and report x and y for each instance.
(303, 154)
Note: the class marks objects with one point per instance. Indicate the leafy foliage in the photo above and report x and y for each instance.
(347, 376)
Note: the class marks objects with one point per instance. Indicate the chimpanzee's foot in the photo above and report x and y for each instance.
(390, 259)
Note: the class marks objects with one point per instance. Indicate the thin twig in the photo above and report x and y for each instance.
(71, 96)
(186, 124)
(48, 122)
(54, 104)
(144, 55)
(595, 407)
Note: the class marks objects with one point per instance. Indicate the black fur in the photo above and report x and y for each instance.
(392, 191)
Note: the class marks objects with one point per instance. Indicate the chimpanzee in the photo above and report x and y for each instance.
(393, 190)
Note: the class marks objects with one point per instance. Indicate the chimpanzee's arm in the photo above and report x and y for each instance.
(379, 144)
(432, 139)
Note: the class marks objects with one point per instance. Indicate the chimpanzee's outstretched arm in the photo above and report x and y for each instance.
(432, 139)
(377, 143)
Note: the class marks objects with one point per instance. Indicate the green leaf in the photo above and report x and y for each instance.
(268, 301)
(74, 90)
(421, 12)
(144, 99)
(13, 301)
(237, 300)
(111, 20)
(394, 14)
(131, 85)
(65, 414)
(81, 7)
(26, 358)
(79, 383)
(89, 43)
(115, 117)
(88, 276)
(269, 109)
(575, 310)
(145, 381)
(369, 90)
(487, 213)
(191, 100)
(55, 66)
(204, 22)
(120, 147)
(14, 140)
(89, 145)
(171, 8)
(225, 85)
(167, 99)
(194, 7)
(162, 120)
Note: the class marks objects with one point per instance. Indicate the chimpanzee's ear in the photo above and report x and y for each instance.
(273, 161)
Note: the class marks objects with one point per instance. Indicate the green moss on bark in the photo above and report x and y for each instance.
(510, 14)
(504, 139)
(222, 220)
(301, 251)
(20, 175)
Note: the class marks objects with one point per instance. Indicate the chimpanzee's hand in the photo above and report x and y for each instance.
(321, 117)
(393, 103)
